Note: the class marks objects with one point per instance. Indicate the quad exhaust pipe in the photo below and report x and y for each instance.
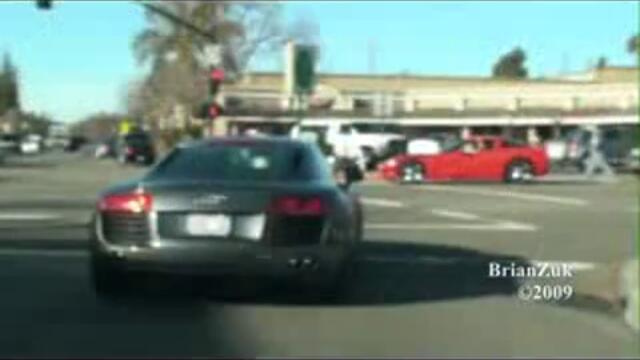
(303, 263)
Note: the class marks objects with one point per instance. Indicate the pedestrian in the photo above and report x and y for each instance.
(595, 159)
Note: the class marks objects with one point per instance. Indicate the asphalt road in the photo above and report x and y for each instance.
(422, 286)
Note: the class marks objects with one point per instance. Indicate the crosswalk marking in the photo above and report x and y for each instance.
(497, 226)
(28, 216)
(455, 214)
(382, 202)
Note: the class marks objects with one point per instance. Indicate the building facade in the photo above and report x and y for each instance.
(600, 96)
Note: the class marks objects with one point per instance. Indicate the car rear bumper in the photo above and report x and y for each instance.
(226, 258)
(139, 157)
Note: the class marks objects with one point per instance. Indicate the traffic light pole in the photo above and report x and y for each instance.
(207, 35)
(300, 111)
(176, 19)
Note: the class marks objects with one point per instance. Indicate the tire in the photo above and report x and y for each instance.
(108, 282)
(518, 171)
(412, 173)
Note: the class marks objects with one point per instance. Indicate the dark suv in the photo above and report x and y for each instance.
(136, 148)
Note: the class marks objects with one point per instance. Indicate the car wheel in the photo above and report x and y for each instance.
(519, 171)
(108, 282)
(412, 172)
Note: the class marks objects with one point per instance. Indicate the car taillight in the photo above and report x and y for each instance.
(128, 203)
(298, 206)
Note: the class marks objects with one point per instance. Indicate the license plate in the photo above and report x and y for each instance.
(140, 158)
(208, 225)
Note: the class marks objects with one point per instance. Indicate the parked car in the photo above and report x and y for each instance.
(5, 150)
(136, 147)
(75, 143)
(107, 148)
(11, 143)
(617, 142)
(362, 141)
(31, 144)
(492, 158)
(229, 207)
(633, 160)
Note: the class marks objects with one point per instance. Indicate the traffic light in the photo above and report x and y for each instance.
(215, 79)
(44, 4)
(210, 110)
(215, 110)
(304, 68)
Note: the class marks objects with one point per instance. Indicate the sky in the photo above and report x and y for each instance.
(76, 59)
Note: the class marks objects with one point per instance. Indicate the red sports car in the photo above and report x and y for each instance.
(491, 158)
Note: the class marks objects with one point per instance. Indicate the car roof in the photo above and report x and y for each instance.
(245, 140)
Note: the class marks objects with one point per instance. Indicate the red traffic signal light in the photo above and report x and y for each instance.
(215, 78)
(215, 110)
(217, 74)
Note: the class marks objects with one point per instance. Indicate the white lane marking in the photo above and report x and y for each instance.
(511, 194)
(574, 265)
(27, 216)
(499, 226)
(43, 253)
(381, 202)
(454, 214)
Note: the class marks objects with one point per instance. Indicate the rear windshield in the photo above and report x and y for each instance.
(137, 139)
(242, 163)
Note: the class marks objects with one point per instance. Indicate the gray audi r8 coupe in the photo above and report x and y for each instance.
(229, 206)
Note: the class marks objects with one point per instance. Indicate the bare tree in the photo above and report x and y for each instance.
(262, 32)
(245, 29)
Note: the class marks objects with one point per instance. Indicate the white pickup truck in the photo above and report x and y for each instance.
(361, 141)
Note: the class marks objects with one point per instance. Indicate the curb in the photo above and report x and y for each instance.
(630, 290)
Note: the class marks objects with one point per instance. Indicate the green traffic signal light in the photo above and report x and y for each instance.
(304, 69)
